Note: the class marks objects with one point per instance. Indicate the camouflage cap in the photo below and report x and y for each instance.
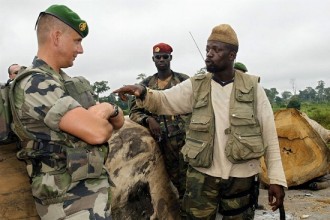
(224, 33)
(69, 17)
(240, 66)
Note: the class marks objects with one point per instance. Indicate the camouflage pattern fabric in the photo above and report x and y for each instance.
(206, 194)
(173, 133)
(175, 165)
(40, 101)
(86, 199)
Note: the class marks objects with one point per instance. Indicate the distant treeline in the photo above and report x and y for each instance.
(319, 94)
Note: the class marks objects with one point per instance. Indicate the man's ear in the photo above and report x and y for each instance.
(232, 55)
(153, 59)
(55, 35)
(171, 57)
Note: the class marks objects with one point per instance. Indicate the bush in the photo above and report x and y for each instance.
(294, 103)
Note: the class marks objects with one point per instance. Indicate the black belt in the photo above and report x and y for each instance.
(47, 147)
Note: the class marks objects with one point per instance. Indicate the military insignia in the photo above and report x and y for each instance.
(157, 49)
(82, 26)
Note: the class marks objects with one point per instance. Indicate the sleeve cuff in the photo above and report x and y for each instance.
(62, 106)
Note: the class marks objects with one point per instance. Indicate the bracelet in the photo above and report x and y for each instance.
(115, 112)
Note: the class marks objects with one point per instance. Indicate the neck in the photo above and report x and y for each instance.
(163, 74)
(49, 58)
(224, 78)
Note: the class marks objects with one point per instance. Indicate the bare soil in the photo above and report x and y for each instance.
(298, 204)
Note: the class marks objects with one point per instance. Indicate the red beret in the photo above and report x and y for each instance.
(162, 48)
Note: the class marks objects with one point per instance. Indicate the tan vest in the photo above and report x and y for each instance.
(244, 141)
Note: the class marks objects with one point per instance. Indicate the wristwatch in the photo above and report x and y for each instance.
(115, 112)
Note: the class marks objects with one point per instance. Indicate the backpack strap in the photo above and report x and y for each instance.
(17, 125)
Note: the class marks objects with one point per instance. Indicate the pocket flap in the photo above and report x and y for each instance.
(193, 147)
(200, 123)
(244, 94)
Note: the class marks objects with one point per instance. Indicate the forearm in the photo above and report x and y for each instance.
(174, 101)
(137, 114)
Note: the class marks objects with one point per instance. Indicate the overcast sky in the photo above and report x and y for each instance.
(282, 41)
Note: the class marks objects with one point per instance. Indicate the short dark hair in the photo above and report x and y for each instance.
(11, 66)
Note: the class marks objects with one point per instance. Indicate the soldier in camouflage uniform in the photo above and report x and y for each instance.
(64, 132)
(168, 130)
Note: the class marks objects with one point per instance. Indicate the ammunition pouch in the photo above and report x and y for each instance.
(84, 163)
(80, 89)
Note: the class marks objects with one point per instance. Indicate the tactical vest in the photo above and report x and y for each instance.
(81, 163)
(244, 134)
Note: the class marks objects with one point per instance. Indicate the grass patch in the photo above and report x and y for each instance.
(318, 112)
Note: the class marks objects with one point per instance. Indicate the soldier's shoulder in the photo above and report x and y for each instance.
(181, 76)
(146, 81)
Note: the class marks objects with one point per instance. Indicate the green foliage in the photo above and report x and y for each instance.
(318, 112)
(294, 103)
(141, 76)
(100, 87)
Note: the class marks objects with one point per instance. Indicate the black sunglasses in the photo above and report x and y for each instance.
(165, 56)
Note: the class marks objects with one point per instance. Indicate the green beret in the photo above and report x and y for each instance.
(240, 66)
(69, 17)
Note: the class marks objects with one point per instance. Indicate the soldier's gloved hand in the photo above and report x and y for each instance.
(154, 128)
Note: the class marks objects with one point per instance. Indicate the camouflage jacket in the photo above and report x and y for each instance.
(170, 124)
(40, 101)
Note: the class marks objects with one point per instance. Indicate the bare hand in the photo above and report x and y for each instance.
(135, 90)
(154, 127)
(102, 110)
(275, 196)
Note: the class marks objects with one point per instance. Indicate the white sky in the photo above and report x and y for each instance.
(280, 40)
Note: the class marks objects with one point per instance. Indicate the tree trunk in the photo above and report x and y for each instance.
(305, 155)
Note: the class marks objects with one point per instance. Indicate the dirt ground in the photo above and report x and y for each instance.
(298, 204)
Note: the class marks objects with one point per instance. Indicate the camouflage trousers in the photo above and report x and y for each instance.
(234, 198)
(175, 165)
(56, 197)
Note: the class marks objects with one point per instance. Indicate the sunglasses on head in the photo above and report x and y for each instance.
(165, 56)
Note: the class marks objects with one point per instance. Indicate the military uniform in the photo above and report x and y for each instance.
(68, 178)
(173, 132)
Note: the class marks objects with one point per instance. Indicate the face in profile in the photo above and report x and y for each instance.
(69, 47)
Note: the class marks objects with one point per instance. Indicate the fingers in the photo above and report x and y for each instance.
(126, 89)
(275, 196)
(123, 97)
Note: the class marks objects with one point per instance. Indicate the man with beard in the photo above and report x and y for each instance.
(167, 130)
(231, 127)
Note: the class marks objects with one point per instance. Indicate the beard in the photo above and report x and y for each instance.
(213, 68)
